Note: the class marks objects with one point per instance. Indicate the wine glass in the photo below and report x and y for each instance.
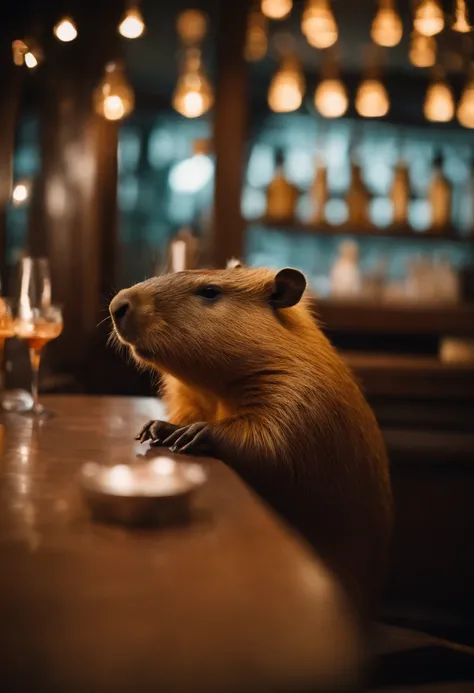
(38, 320)
(7, 330)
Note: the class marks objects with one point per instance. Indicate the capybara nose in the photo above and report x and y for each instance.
(120, 310)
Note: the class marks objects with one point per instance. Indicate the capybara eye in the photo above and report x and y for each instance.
(209, 292)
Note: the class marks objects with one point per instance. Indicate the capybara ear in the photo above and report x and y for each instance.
(289, 287)
(233, 263)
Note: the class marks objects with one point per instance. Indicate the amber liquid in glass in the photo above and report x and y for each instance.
(38, 334)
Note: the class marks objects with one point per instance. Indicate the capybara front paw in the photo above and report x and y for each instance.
(193, 439)
(156, 432)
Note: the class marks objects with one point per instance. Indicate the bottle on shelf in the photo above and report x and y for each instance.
(282, 196)
(400, 194)
(345, 273)
(357, 198)
(319, 193)
(439, 197)
(183, 251)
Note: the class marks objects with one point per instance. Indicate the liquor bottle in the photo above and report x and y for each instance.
(358, 198)
(439, 197)
(282, 195)
(400, 194)
(319, 193)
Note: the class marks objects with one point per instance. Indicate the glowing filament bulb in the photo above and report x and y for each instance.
(256, 44)
(277, 9)
(65, 30)
(429, 18)
(465, 112)
(331, 98)
(461, 22)
(422, 50)
(372, 99)
(114, 98)
(319, 25)
(287, 88)
(193, 95)
(132, 25)
(30, 60)
(439, 103)
(387, 27)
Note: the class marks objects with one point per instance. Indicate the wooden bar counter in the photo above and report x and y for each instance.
(232, 602)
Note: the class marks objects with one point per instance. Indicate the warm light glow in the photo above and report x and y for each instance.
(30, 60)
(132, 25)
(439, 103)
(331, 98)
(387, 27)
(318, 24)
(372, 99)
(193, 95)
(465, 111)
(20, 194)
(65, 30)
(429, 18)
(192, 27)
(114, 98)
(277, 9)
(422, 50)
(256, 43)
(461, 22)
(19, 50)
(286, 88)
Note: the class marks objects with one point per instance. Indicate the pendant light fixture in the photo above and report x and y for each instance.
(465, 111)
(287, 86)
(256, 43)
(277, 9)
(113, 97)
(429, 18)
(422, 51)
(330, 97)
(318, 24)
(461, 18)
(66, 30)
(439, 100)
(132, 25)
(193, 95)
(387, 27)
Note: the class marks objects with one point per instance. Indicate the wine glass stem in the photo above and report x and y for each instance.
(35, 357)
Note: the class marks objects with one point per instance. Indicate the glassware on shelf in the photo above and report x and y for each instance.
(38, 321)
(358, 199)
(345, 273)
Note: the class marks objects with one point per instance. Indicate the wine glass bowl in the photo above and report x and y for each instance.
(38, 320)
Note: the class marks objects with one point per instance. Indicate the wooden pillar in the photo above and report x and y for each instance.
(230, 131)
(9, 102)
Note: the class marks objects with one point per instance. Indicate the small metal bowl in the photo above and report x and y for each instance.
(157, 493)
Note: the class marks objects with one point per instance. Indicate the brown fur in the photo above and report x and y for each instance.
(286, 412)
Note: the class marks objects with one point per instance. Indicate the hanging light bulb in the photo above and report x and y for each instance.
(287, 87)
(191, 27)
(318, 24)
(461, 22)
(372, 99)
(331, 99)
(439, 102)
(277, 9)
(132, 25)
(465, 112)
(429, 18)
(113, 97)
(193, 95)
(65, 30)
(19, 50)
(387, 27)
(256, 43)
(422, 50)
